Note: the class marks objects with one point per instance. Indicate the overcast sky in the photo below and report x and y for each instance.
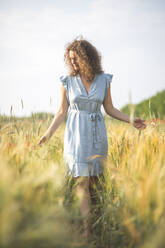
(129, 34)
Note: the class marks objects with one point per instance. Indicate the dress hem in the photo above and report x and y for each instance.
(94, 168)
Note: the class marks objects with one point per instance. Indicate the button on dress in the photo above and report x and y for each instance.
(85, 136)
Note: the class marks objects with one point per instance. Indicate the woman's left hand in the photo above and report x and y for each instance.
(139, 123)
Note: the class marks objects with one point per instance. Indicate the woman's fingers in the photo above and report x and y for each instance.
(139, 124)
(39, 143)
(42, 140)
(138, 120)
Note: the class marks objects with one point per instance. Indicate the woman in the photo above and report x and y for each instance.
(84, 90)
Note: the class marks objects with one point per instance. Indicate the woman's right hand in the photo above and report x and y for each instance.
(42, 140)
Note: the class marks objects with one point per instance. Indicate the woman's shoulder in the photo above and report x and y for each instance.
(106, 76)
(66, 77)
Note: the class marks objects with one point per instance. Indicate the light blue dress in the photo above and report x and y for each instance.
(85, 137)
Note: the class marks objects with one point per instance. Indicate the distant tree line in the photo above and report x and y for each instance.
(34, 116)
(153, 107)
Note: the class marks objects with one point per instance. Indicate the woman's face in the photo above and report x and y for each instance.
(73, 59)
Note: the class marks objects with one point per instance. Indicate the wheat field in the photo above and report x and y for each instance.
(38, 207)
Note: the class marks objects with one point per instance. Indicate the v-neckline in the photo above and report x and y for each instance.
(87, 92)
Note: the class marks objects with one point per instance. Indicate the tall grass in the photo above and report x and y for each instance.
(38, 207)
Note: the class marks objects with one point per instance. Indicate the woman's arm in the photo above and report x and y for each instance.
(111, 110)
(115, 113)
(58, 118)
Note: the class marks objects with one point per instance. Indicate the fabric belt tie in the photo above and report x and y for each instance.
(95, 117)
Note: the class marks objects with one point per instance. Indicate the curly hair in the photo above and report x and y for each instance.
(89, 59)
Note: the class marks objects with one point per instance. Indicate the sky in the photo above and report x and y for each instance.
(129, 34)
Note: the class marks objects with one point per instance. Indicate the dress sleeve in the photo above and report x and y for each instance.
(65, 81)
(108, 81)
